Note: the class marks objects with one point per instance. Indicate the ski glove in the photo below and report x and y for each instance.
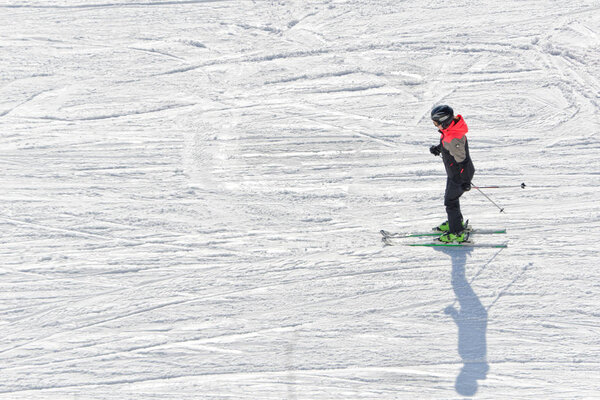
(435, 150)
(466, 186)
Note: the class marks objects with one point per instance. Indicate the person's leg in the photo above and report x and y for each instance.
(452, 203)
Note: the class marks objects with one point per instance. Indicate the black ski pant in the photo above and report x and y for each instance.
(453, 193)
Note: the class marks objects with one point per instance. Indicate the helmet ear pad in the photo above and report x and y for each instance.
(447, 123)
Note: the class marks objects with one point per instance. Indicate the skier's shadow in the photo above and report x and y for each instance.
(471, 319)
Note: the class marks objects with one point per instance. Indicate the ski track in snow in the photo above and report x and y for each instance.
(193, 193)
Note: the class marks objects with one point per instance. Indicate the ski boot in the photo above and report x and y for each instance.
(445, 227)
(459, 237)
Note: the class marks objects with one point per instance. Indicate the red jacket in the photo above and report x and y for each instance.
(457, 130)
(455, 151)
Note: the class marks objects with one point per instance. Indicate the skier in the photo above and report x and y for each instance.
(459, 168)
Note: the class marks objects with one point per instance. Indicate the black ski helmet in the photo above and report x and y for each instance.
(442, 115)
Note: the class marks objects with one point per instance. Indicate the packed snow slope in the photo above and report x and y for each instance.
(192, 193)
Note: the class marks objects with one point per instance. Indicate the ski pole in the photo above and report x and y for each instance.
(522, 186)
(487, 197)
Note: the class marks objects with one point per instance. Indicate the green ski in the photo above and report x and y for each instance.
(399, 235)
(387, 241)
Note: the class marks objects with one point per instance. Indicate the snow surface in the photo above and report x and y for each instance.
(192, 193)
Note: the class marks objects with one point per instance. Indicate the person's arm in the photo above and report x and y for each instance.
(457, 149)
